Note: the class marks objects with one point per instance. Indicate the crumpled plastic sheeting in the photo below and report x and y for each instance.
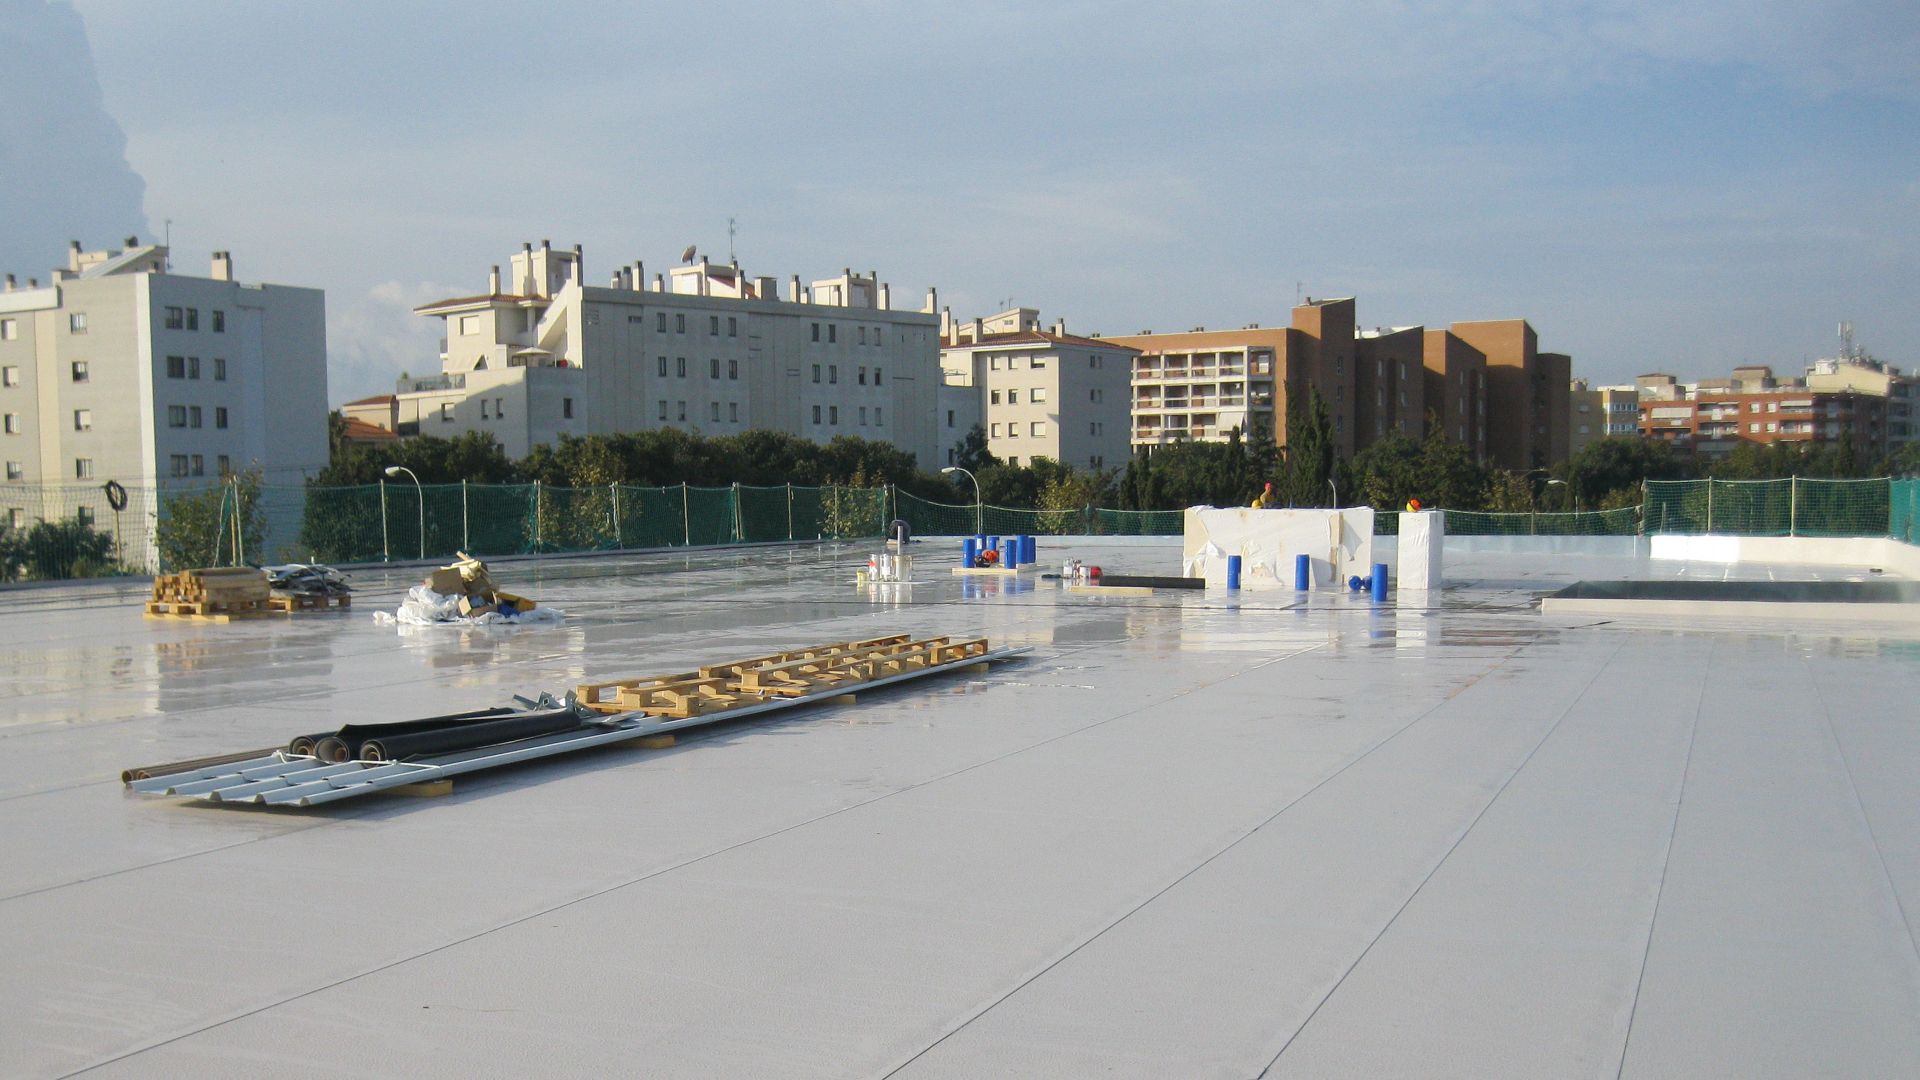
(424, 607)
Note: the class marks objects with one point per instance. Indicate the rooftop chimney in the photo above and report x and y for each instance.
(222, 266)
(933, 301)
(73, 255)
(493, 281)
(9, 282)
(639, 275)
(793, 290)
(133, 242)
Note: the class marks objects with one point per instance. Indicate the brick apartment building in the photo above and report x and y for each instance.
(1714, 416)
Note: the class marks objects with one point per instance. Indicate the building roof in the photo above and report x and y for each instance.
(475, 301)
(358, 430)
(377, 399)
(1034, 337)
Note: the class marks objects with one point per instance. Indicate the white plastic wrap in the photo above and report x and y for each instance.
(424, 607)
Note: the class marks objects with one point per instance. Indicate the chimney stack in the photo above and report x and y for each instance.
(222, 266)
(9, 282)
(659, 283)
(493, 281)
(885, 302)
(73, 255)
(133, 242)
(639, 276)
(793, 290)
(578, 271)
(933, 301)
(1060, 327)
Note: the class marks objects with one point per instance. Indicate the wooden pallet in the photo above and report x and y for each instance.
(206, 612)
(823, 670)
(294, 602)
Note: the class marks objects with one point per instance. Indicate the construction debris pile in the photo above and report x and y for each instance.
(306, 579)
(463, 592)
(359, 759)
(236, 590)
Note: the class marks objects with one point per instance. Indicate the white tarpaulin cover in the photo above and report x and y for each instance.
(1339, 544)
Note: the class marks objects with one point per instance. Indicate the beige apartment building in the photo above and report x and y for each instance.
(1600, 412)
(704, 348)
(1040, 392)
(118, 368)
(1863, 374)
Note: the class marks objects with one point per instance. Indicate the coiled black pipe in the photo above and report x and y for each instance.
(446, 740)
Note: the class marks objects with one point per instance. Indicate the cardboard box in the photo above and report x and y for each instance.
(447, 582)
(517, 603)
(475, 605)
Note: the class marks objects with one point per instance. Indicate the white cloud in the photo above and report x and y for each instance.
(375, 336)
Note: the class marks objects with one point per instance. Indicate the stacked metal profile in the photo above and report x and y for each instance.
(360, 759)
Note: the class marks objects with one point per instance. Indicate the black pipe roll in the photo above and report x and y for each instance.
(447, 740)
(302, 745)
(332, 750)
(1123, 581)
(355, 732)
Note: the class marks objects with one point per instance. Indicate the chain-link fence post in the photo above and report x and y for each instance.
(465, 542)
(1709, 506)
(686, 518)
(386, 552)
(619, 532)
(789, 509)
(1793, 505)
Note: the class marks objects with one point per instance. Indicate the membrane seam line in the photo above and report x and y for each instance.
(651, 874)
(1435, 869)
(1196, 868)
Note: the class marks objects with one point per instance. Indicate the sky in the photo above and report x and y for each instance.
(1655, 187)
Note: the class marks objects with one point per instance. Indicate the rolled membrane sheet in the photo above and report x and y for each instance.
(302, 745)
(446, 740)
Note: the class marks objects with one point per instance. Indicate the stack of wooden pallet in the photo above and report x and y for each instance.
(826, 670)
(221, 593)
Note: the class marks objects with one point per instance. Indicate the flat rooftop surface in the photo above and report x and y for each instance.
(1186, 836)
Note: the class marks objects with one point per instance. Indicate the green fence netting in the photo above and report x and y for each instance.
(1790, 507)
(60, 531)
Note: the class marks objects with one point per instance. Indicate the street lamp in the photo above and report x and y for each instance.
(1336, 492)
(1562, 483)
(979, 507)
(421, 494)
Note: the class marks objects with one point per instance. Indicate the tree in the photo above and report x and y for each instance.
(55, 551)
(971, 453)
(195, 528)
(1618, 463)
(1309, 451)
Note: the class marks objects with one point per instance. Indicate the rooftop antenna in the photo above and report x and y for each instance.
(1846, 340)
(730, 231)
(1299, 287)
(169, 243)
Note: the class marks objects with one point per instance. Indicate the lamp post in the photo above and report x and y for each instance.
(1564, 484)
(1336, 492)
(419, 493)
(979, 506)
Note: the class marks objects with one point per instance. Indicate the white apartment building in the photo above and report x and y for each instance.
(1041, 392)
(703, 348)
(120, 369)
(1202, 393)
(1601, 412)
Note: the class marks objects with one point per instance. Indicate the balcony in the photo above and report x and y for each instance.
(433, 383)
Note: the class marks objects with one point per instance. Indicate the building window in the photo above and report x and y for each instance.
(949, 417)
(713, 367)
(9, 329)
(219, 369)
(833, 373)
(713, 411)
(220, 327)
(499, 408)
(663, 408)
(683, 412)
(193, 367)
(1093, 428)
(199, 465)
(833, 332)
(226, 465)
(816, 373)
(680, 323)
(83, 468)
(733, 412)
(1039, 429)
(446, 412)
(663, 367)
(863, 376)
(83, 419)
(993, 397)
(1093, 361)
(13, 423)
(193, 414)
(15, 470)
(863, 335)
(1013, 397)
(996, 431)
(680, 366)
(175, 318)
(833, 415)
(1039, 394)
(484, 414)
(876, 376)
(733, 369)
(733, 326)
(1753, 428)
(660, 325)
(877, 419)
(816, 331)
(713, 325)
(177, 464)
(10, 376)
(77, 323)
(176, 416)
(816, 414)
(566, 408)
(469, 324)
(876, 335)
(1037, 362)
(176, 367)
(993, 363)
(193, 323)
(863, 416)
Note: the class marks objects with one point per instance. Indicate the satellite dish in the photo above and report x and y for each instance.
(687, 255)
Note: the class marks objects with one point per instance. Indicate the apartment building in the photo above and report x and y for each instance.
(1863, 374)
(704, 348)
(1713, 416)
(1374, 383)
(1600, 412)
(119, 368)
(1040, 392)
